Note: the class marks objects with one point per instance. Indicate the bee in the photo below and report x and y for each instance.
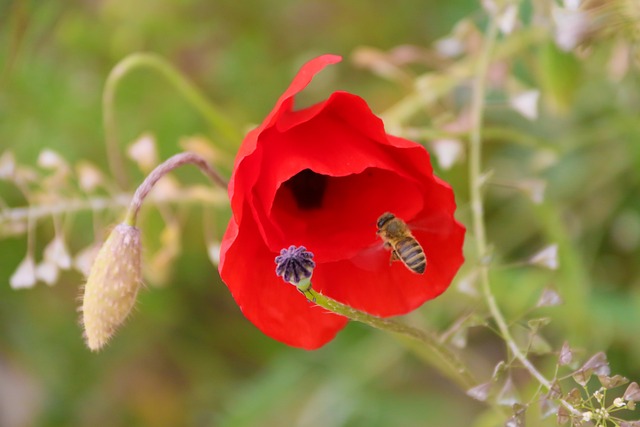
(404, 247)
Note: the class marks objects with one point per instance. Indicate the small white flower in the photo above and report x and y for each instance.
(449, 47)
(480, 392)
(526, 103)
(25, 274)
(587, 416)
(56, 253)
(571, 27)
(547, 257)
(47, 272)
(534, 189)
(598, 395)
(89, 176)
(7, 165)
(448, 152)
(549, 298)
(619, 402)
(213, 250)
(467, 284)
(143, 151)
(457, 42)
(49, 159)
(507, 19)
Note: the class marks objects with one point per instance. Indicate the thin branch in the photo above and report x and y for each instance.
(216, 118)
(19, 216)
(163, 169)
(477, 207)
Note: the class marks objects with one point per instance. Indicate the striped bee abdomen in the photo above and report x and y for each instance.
(409, 251)
(404, 247)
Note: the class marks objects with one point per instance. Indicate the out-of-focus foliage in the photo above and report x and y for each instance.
(187, 356)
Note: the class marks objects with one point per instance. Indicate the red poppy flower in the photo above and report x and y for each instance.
(320, 177)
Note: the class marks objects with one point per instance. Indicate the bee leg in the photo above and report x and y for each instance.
(394, 257)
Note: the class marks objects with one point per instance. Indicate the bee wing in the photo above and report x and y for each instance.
(435, 224)
(373, 257)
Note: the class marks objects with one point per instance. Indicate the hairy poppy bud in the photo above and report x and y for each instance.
(112, 285)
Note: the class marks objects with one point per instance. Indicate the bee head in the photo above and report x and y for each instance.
(384, 218)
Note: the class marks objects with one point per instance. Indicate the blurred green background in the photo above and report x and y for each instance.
(187, 356)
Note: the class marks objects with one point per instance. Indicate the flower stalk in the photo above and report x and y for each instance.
(452, 366)
(477, 207)
(216, 118)
(160, 171)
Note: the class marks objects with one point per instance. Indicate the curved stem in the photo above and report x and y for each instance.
(161, 170)
(454, 368)
(477, 210)
(211, 113)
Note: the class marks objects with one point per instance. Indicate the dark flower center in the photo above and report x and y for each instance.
(307, 188)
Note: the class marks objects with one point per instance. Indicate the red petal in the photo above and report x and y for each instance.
(285, 102)
(275, 307)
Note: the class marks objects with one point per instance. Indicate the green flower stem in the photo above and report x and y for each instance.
(477, 208)
(442, 357)
(191, 94)
(161, 170)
